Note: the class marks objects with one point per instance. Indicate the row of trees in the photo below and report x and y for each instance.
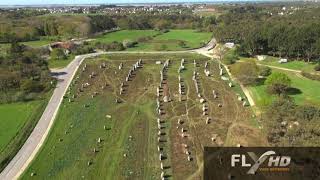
(70, 26)
(165, 21)
(293, 36)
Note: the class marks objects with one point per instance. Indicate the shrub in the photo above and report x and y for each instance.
(160, 47)
(58, 53)
(83, 50)
(230, 57)
(114, 46)
(182, 44)
(246, 72)
(144, 39)
(129, 43)
(29, 85)
(265, 71)
(317, 67)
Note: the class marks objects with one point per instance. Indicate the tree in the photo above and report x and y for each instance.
(221, 50)
(58, 54)
(246, 72)
(230, 57)
(16, 48)
(278, 83)
(265, 71)
(101, 22)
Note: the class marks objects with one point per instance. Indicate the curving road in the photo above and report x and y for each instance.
(34, 142)
(30, 148)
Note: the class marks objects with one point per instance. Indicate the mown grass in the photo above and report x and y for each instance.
(307, 93)
(192, 39)
(61, 63)
(13, 117)
(125, 35)
(16, 123)
(161, 41)
(34, 44)
(38, 43)
(294, 65)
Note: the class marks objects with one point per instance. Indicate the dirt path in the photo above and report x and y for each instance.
(280, 68)
(206, 52)
(65, 75)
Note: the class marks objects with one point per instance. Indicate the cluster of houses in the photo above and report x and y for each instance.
(110, 9)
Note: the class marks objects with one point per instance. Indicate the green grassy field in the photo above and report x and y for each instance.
(13, 117)
(166, 41)
(125, 34)
(294, 65)
(34, 44)
(309, 91)
(16, 123)
(60, 63)
(37, 44)
(128, 147)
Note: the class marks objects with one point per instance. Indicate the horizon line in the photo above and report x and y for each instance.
(163, 2)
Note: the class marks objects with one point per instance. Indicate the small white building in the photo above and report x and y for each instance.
(229, 45)
(261, 57)
(283, 61)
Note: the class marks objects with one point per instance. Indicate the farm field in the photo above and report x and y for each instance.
(102, 133)
(159, 41)
(16, 122)
(306, 91)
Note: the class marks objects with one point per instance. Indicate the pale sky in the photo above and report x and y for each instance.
(36, 2)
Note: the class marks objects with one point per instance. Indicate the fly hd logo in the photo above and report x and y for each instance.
(268, 161)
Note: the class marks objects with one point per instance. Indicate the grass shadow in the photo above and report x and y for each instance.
(260, 81)
(293, 91)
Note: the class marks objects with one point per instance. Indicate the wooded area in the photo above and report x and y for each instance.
(24, 75)
(295, 35)
(72, 26)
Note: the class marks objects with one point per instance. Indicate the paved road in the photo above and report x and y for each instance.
(31, 147)
(28, 151)
(33, 144)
